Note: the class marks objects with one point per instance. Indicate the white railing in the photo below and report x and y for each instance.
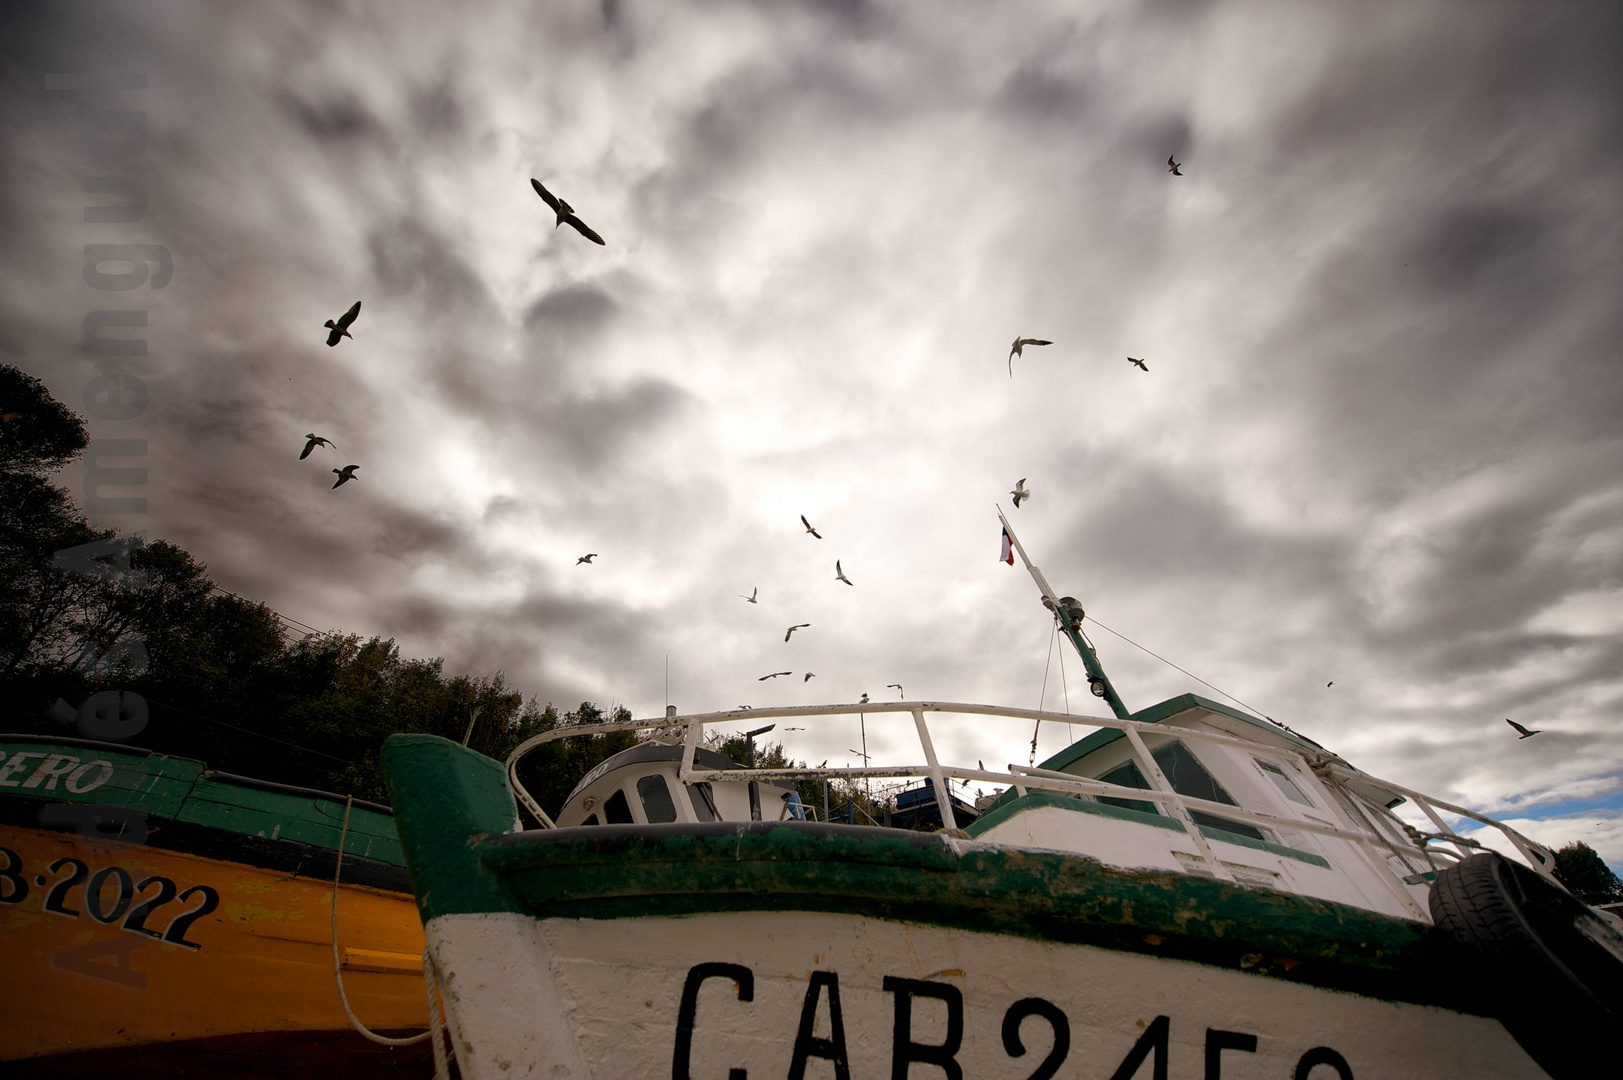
(1360, 829)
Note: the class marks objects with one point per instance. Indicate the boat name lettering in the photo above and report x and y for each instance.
(823, 997)
(76, 778)
(110, 895)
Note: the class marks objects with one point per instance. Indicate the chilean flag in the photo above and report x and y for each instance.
(1008, 549)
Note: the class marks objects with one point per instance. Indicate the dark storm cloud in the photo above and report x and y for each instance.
(1162, 525)
(340, 118)
(410, 258)
(577, 309)
(591, 430)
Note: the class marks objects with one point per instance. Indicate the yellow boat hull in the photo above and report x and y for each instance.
(232, 954)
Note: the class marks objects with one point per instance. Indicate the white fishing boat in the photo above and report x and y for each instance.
(1186, 891)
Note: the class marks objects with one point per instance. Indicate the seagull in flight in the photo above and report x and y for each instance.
(1019, 344)
(565, 212)
(809, 528)
(864, 700)
(345, 475)
(340, 329)
(1524, 733)
(896, 686)
(1138, 363)
(1329, 684)
(1020, 492)
(810, 675)
(839, 575)
(751, 596)
(1174, 167)
(587, 559)
(315, 441)
(774, 675)
(792, 629)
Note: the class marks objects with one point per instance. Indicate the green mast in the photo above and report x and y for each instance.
(1068, 612)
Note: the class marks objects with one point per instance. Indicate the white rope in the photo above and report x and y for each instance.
(442, 1068)
(338, 974)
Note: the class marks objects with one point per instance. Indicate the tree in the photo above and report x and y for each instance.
(1581, 869)
(551, 771)
(222, 679)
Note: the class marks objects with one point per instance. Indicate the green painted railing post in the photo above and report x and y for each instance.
(446, 799)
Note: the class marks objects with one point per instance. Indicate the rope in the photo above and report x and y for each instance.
(442, 1069)
(1170, 664)
(338, 974)
(1044, 696)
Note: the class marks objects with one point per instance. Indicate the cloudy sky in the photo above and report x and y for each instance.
(1379, 441)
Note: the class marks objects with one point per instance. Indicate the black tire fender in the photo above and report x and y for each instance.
(1549, 968)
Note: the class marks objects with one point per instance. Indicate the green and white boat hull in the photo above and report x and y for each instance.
(736, 949)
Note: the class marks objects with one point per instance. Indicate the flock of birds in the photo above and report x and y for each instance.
(754, 597)
(338, 329)
(564, 214)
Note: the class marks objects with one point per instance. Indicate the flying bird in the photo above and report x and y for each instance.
(810, 675)
(1329, 684)
(1138, 363)
(1174, 167)
(839, 575)
(315, 441)
(1524, 733)
(809, 528)
(751, 596)
(1020, 492)
(587, 559)
(864, 700)
(565, 212)
(792, 629)
(340, 329)
(774, 675)
(1019, 344)
(345, 475)
(896, 686)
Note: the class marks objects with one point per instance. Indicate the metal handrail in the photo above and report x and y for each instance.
(1365, 837)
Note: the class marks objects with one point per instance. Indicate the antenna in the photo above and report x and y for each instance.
(1069, 613)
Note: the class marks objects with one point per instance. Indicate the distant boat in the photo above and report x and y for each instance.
(194, 937)
(1185, 887)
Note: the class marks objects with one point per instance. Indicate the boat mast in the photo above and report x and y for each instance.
(1070, 621)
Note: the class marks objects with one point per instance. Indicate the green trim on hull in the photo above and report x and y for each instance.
(447, 800)
(452, 806)
(183, 790)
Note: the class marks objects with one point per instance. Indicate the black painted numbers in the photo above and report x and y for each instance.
(109, 895)
(916, 1058)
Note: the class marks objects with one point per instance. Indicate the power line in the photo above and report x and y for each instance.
(292, 624)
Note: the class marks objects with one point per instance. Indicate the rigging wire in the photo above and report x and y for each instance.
(1170, 664)
(1044, 697)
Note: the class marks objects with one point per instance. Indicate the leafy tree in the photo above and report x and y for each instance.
(1581, 869)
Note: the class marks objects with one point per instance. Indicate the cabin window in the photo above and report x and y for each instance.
(1128, 776)
(704, 804)
(1189, 777)
(592, 820)
(616, 810)
(657, 806)
(1286, 786)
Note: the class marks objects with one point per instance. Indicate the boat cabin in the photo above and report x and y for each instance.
(1255, 767)
(640, 786)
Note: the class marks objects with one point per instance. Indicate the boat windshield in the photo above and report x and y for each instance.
(1188, 777)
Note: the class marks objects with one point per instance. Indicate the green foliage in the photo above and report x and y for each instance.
(44, 434)
(551, 771)
(1581, 869)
